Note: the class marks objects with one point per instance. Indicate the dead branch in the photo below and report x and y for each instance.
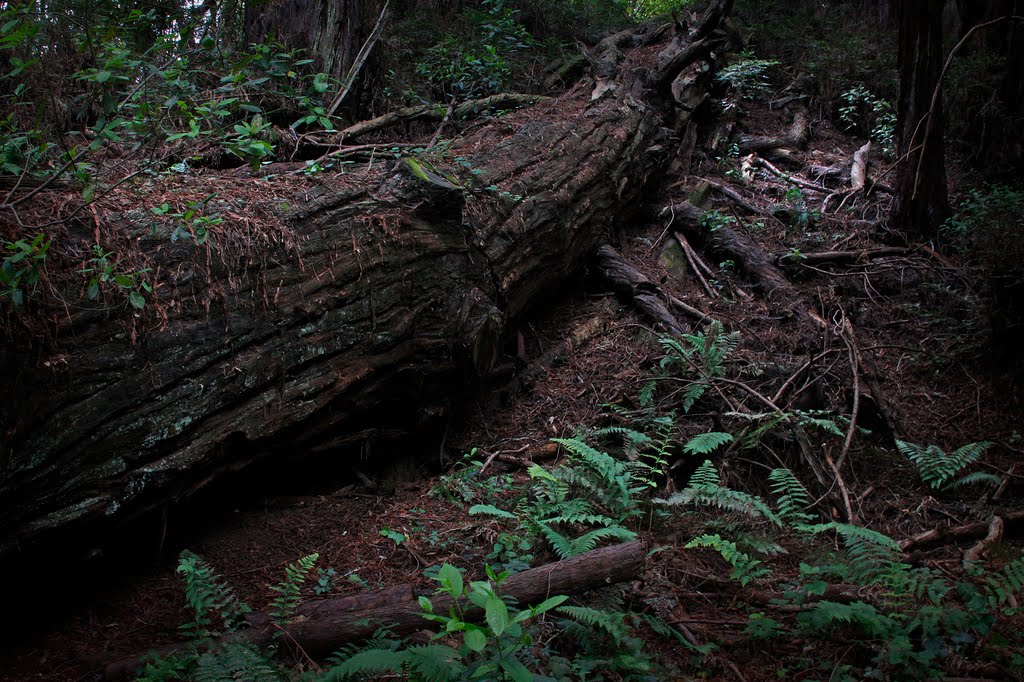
(322, 627)
(436, 112)
(859, 171)
(995, 534)
(846, 257)
(631, 284)
(795, 136)
(955, 533)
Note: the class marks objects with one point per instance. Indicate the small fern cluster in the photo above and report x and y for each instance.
(700, 358)
(939, 469)
(213, 602)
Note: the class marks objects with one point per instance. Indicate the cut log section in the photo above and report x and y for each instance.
(323, 627)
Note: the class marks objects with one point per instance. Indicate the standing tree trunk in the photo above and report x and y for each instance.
(330, 31)
(922, 200)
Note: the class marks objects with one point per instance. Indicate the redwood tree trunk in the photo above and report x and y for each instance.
(922, 200)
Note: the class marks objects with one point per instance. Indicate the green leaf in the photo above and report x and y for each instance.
(321, 82)
(450, 579)
(137, 300)
(548, 604)
(475, 640)
(515, 668)
(103, 76)
(496, 614)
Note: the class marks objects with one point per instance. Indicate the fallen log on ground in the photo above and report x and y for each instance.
(967, 531)
(322, 313)
(795, 136)
(374, 292)
(323, 627)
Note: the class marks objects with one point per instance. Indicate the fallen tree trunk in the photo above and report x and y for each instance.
(323, 627)
(368, 305)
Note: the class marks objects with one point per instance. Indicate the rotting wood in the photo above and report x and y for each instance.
(995, 535)
(634, 286)
(796, 136)
(859, 170)
(322, 627)
(844, 257)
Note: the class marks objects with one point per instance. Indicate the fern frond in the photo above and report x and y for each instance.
(694, 392)
(706, 443)
(206, 593)
(705, 475)
(1003, 587)
(283, 607)
(611, 623)
(744, 567)
(791, 498)
(233, 661)
(976, 478)
(367, 662)
(938, 468)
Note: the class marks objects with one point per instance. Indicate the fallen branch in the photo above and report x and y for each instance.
(954, 533)
(699, 267)
(845, 257)
(788, 177)
(630, 283)
(436, 112)
(322, 627)
(796, 136)
(995, 534)
(859, 171)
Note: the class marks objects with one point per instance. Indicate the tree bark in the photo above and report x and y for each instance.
(376, 304)
(922, 199)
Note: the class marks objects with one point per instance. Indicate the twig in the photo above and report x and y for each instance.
(796, 180)
(851, 343)
(695, 264)
(850, 518)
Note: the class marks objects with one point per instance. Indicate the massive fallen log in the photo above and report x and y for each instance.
(323, 627)
(366, 308)
(361, 305)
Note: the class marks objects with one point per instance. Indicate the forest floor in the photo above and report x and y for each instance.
(914, 314)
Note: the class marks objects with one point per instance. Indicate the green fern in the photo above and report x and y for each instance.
(1003, 587)
(206, 593)
(706, 475)
(611, 623)
(566, 547)
(283, 607)
(237, 660)
(707, 443)
(791, 498)
(699, 356)
(744, 567)
(874, 556)
(939, 469)
(705, 489)
(427, 663)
